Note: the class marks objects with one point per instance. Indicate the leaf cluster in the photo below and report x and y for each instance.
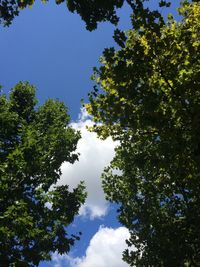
(93, 11)
(34, 213)
(148, 99)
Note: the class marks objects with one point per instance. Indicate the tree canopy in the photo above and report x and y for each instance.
(148, 99)
(34, 142)
(91, 12)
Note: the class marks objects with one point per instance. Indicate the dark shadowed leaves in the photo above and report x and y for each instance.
(34, 142)
(149, 100)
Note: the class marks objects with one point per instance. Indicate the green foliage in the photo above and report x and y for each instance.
(91, 12)
(34, 142)
(149, 100)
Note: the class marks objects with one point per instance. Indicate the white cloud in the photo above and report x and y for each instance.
(58, 260)
(95, 154)
(105, 249)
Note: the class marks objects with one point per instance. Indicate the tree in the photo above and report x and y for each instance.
(148, 99)
(34, 213)
(91, 12)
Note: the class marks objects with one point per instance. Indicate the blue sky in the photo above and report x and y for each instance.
(50, 48)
